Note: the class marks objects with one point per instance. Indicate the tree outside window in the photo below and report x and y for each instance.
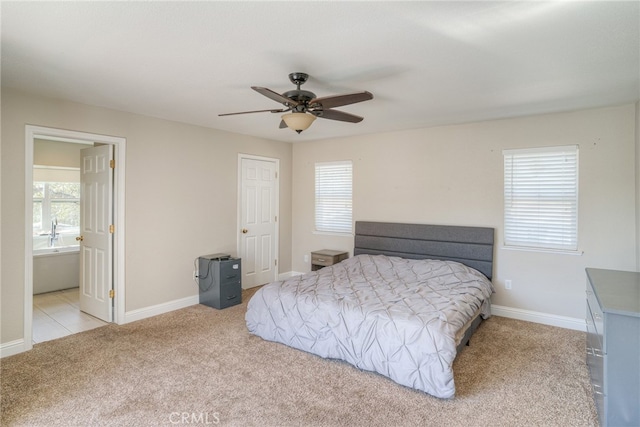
(56, 201)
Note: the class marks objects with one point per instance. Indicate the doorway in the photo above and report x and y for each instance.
(258, 231)
(37, 133)
(56, 252)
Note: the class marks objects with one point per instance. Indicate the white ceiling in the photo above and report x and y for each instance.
(427, 63)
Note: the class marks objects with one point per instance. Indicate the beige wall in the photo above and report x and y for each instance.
(57, 153)
(453, 175)
(181, 197)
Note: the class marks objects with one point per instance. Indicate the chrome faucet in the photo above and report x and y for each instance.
(53, 236)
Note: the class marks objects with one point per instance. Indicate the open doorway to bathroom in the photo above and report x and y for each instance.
(53, 253)
(56, 252)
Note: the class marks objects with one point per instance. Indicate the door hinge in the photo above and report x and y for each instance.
(276, 218)
(112, 164)
(112, 293)
(276, 175)
(112, 229)
(276, 261)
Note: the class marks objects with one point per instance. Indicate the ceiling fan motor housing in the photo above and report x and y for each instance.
(302, 97)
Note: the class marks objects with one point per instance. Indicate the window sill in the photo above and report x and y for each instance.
(549, 251)
(332, 233)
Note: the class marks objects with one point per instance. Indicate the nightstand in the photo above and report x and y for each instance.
(326, 257)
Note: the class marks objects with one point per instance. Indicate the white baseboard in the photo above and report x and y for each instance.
(18, 346)
(537, 317)
(154, 310)
(12, 347)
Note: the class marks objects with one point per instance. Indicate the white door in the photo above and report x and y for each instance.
(96, 213)
(258, 221)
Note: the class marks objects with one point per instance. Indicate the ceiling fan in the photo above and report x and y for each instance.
(303, 106)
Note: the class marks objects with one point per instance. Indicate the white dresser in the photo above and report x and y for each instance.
(613, 344)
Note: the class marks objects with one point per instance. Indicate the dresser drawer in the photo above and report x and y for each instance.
(327, 257)
(325, 260)
(595, 355)
(230, 271)
(230, 295)
(231, 284)
(596, 311)
(595, 362)
(594, 328)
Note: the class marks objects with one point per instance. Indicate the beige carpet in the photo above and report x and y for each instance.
(200, 366)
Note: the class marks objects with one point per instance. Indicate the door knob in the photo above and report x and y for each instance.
(245, 231)
(80, 238)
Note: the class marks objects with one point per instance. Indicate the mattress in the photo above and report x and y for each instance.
(394, 316)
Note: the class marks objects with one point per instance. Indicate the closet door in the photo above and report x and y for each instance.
(258, 221)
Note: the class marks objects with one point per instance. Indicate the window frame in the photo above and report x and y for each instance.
(324, 225)
(541, 209)
(46, 202)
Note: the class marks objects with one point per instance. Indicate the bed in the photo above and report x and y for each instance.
(403, 306)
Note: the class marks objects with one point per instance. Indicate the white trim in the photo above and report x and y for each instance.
(333, 233)
(39, 132)
(165, 307)
(242, 156)
(57, 168)
(12, 347)
(119, 236)
(569, 149)
(27, 333)
(538, 317)
(550, 251)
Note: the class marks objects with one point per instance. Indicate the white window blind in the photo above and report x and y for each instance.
(541, 198)
(333, 197)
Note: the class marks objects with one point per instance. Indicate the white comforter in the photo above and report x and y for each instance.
(394, 316)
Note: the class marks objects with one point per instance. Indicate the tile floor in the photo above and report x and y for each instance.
(57, 314)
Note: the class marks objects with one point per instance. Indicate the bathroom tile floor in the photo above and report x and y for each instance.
(57, 314)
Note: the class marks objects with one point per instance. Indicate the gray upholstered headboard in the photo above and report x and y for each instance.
(472, 246)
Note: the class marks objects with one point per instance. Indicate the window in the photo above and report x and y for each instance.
(541, 198)
(333, 197)
(56, 199)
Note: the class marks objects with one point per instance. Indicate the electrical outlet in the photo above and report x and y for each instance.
(306, 258)
(507, 284)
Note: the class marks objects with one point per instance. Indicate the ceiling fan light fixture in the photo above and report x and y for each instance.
(298, 121)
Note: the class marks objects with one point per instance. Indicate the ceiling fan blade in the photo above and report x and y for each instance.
(340, 100)
(275, 96)
(254, 111)
(337, 115)
(280, 110)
